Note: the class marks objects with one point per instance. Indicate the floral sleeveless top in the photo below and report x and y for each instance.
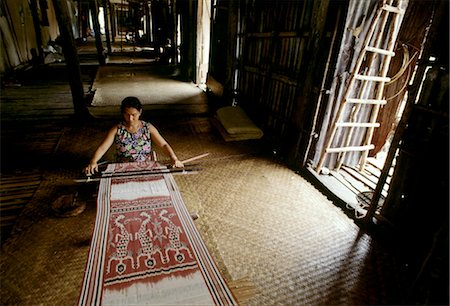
(133, 147)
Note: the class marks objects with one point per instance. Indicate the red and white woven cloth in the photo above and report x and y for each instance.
(145, 247)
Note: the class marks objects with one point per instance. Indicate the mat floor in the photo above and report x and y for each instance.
(275, 237)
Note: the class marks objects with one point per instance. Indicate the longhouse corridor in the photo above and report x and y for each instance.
(275, 237)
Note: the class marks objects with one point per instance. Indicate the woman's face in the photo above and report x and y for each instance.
(131, 115)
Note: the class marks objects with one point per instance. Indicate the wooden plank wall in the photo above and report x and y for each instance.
(279, 65)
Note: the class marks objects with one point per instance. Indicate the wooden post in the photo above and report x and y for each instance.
(105, 17)
(71, 58)
(231, 59)
(188, 22)
(37, 30)
(148, 21)
(156, 16)
(98, 35)
(112, 18)
(174, 52)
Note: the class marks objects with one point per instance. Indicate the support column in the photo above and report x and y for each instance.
(71, 57)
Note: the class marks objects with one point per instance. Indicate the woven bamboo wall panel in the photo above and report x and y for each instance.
(274, 100)
(266, 16)
(276, 39)
(290, 55)
(258, 52)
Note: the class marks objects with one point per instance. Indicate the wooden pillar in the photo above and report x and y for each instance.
(156, 16)
(203, 41)
(231, 59)
(37, 29)
(84, 19)
(71, 57)
(136, 22)
(148, 26)
(105, 16)
(112, 21)
(98, 35)
(188, 37)
(79, 21)
(174, 52)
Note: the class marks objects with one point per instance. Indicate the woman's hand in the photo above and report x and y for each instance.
(91, 169)
(177, 164)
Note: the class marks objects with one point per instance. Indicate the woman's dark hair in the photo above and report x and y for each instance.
(130, 102)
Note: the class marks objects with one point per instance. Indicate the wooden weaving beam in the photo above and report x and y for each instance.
(157, 170)
(137, 173)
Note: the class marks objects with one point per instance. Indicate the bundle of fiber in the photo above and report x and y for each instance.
(234, 124)
(145, 248)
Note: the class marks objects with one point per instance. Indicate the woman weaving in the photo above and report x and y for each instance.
(133, 139)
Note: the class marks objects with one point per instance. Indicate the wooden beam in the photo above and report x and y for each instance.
(71, 57)
(37, 30)
(98, 35)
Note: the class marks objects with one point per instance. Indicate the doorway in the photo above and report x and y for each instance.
(345, 171)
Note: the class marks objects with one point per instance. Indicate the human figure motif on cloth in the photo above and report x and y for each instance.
(122, 253)
(173, 233)
(145, 237)
(143, 234)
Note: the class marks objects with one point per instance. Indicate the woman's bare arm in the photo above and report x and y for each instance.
(164, 145)
(101, 150)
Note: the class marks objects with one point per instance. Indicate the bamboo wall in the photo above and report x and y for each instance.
(280, 50)
(272, 56)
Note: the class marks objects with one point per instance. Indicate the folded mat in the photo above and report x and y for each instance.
(233, 137)
(236, 122)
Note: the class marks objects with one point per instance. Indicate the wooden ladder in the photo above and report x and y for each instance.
(378, 44)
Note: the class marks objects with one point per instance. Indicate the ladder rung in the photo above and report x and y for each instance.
(372, 78)
(367, 101)
(392, 9)
(380, 51)
(357, 124)
(349, 149)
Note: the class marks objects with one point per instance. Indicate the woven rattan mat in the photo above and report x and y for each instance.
(276, 239)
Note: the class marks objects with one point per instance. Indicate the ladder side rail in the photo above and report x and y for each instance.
(381, 29)
(330, 137)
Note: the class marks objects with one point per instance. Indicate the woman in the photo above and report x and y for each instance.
(133, 138)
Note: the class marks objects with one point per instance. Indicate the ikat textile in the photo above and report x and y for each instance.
(145, 248)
